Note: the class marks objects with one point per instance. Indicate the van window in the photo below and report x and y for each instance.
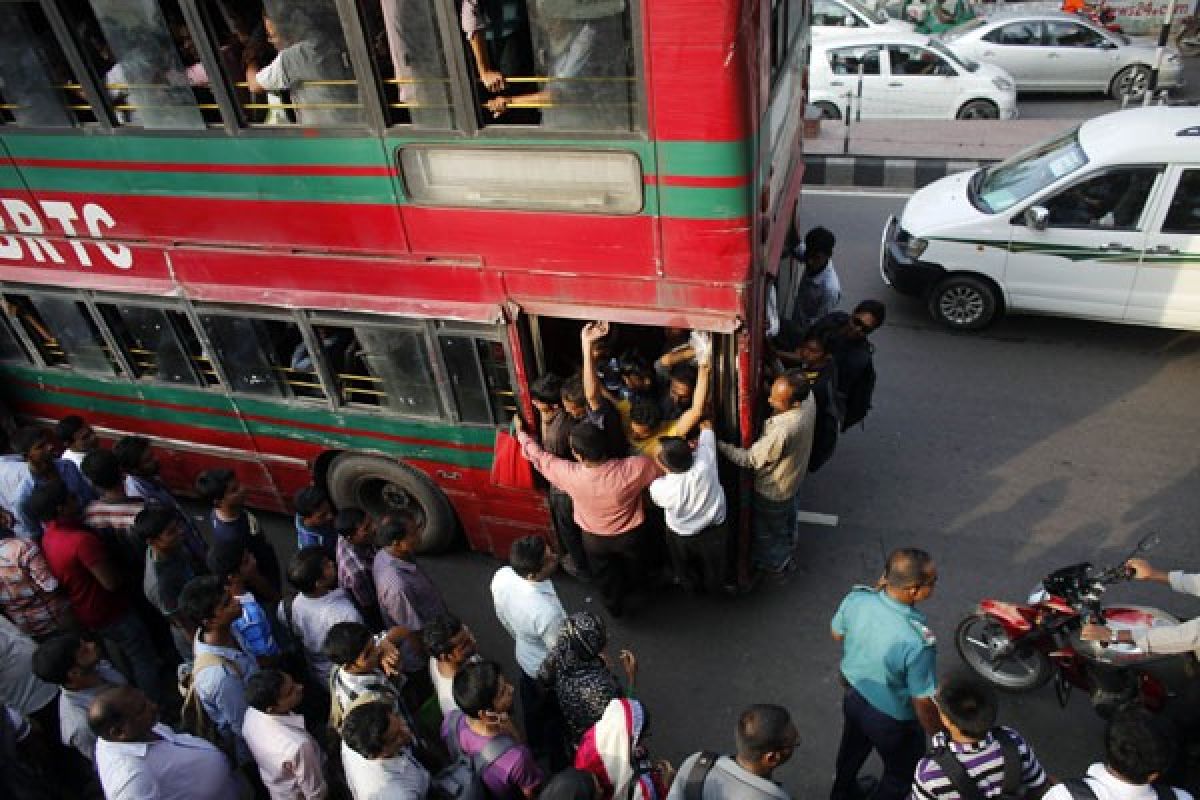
(1026, 173)
(848, 60)
(1183, 215)
(1111, 201)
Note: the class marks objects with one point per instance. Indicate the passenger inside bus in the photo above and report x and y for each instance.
(501, 47)
(583, 50)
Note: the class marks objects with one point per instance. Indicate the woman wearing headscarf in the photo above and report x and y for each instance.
(577, 669)
(614, 751)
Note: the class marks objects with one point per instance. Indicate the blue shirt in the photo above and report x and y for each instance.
(222, 692)
(324, 537)
(888, 652)
(25, 525)
(253, 628)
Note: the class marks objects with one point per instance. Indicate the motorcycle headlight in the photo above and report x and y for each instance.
(915, 247)
(1003, 84)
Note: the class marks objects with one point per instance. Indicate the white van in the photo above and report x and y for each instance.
(1101, 222)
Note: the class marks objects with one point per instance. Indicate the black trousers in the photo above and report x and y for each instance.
(570, 537)
(900, 744)
(699, 559)
(543, 722)
(618, 564)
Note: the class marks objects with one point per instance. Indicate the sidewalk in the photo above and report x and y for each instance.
(911, 153)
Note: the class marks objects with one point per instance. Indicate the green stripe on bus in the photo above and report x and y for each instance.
(340, 151)
(705, 203)
(709, 159)
(212, 411)
(216, 185)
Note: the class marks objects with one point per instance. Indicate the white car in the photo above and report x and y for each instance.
(1052, 51)
(842, 18)
(905, 75)
(1100, 222)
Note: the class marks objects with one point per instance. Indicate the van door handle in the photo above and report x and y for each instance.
(836, 83)
(988, 54)
(1117, 246)
(898, 83)
(1164, 249)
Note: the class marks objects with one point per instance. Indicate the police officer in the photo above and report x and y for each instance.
(888, 666)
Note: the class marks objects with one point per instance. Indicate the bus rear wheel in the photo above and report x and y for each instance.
(379, 486)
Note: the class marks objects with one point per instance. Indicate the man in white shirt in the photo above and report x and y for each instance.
(140, 759)
(691, 496)
(529, 609)
(319, 606)
(74, 663)
(288, 757)
(377, 756)
(19, 687)
(1138, 749)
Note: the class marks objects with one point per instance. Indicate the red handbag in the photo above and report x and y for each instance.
(510, 468)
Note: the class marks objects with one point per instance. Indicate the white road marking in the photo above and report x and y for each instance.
(816, 518)
(851, 191)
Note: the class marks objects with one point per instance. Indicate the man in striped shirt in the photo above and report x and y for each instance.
(967, 708)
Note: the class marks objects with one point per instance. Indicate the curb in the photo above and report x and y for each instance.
(882, 172)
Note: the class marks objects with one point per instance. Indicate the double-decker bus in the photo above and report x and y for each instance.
(321, 237)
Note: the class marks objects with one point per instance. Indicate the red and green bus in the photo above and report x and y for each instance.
(301, 237)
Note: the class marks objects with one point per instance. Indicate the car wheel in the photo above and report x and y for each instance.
(378, 485)
(978, 109)
(829, 111)
(1131, 82)
(964, 303)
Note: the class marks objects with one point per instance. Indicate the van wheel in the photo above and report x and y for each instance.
(1131, 82)
(829, 111)
(964, 303)
(978, 109)
(378, 486)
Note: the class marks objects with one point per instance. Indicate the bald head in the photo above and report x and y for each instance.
(122, 714)
(908, 568)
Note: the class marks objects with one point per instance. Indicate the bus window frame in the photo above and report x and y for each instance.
(295, 317)
(497, 333)
(447, 407)
(118, 299)
(121, 369)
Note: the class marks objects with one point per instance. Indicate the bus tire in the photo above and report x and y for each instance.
(379, 485)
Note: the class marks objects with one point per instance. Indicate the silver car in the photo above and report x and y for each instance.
(1053, 51)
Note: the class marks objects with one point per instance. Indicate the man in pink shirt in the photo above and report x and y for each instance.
(607, 496)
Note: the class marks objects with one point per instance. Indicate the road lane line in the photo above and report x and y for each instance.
(817, 519)
(850, 191)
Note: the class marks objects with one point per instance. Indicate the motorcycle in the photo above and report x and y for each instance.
(1020, 647)
(1187, 40)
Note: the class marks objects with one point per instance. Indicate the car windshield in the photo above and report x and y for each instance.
(1000, 187)
(962, 29)
(952, 57)
(863, 11)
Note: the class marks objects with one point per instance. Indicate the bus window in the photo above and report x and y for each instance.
(263, 356)
(37, 86)
(294, 66)
(11, 349)
(500, 58)
(478, 372)
(64, 332)
(147, 61)
(406, 47)
(149, 338)
(384, 368)
(583, 55)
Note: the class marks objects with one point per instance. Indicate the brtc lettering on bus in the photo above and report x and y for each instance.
(28, 233)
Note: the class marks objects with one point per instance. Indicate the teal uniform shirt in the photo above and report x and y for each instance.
(888, 652)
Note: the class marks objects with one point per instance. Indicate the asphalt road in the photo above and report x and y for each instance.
(1037, 444)
(1052, 105)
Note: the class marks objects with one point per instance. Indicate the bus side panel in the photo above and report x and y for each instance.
(583, 244)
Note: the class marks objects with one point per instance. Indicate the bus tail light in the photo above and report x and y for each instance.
(586, 181)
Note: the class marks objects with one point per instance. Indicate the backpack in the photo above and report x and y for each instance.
(1080, 789)
(966, 786)
(374, 693)
(193, 718)
(693, 786)
(463, 779)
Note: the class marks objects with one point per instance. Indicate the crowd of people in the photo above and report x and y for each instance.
(144, 655)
